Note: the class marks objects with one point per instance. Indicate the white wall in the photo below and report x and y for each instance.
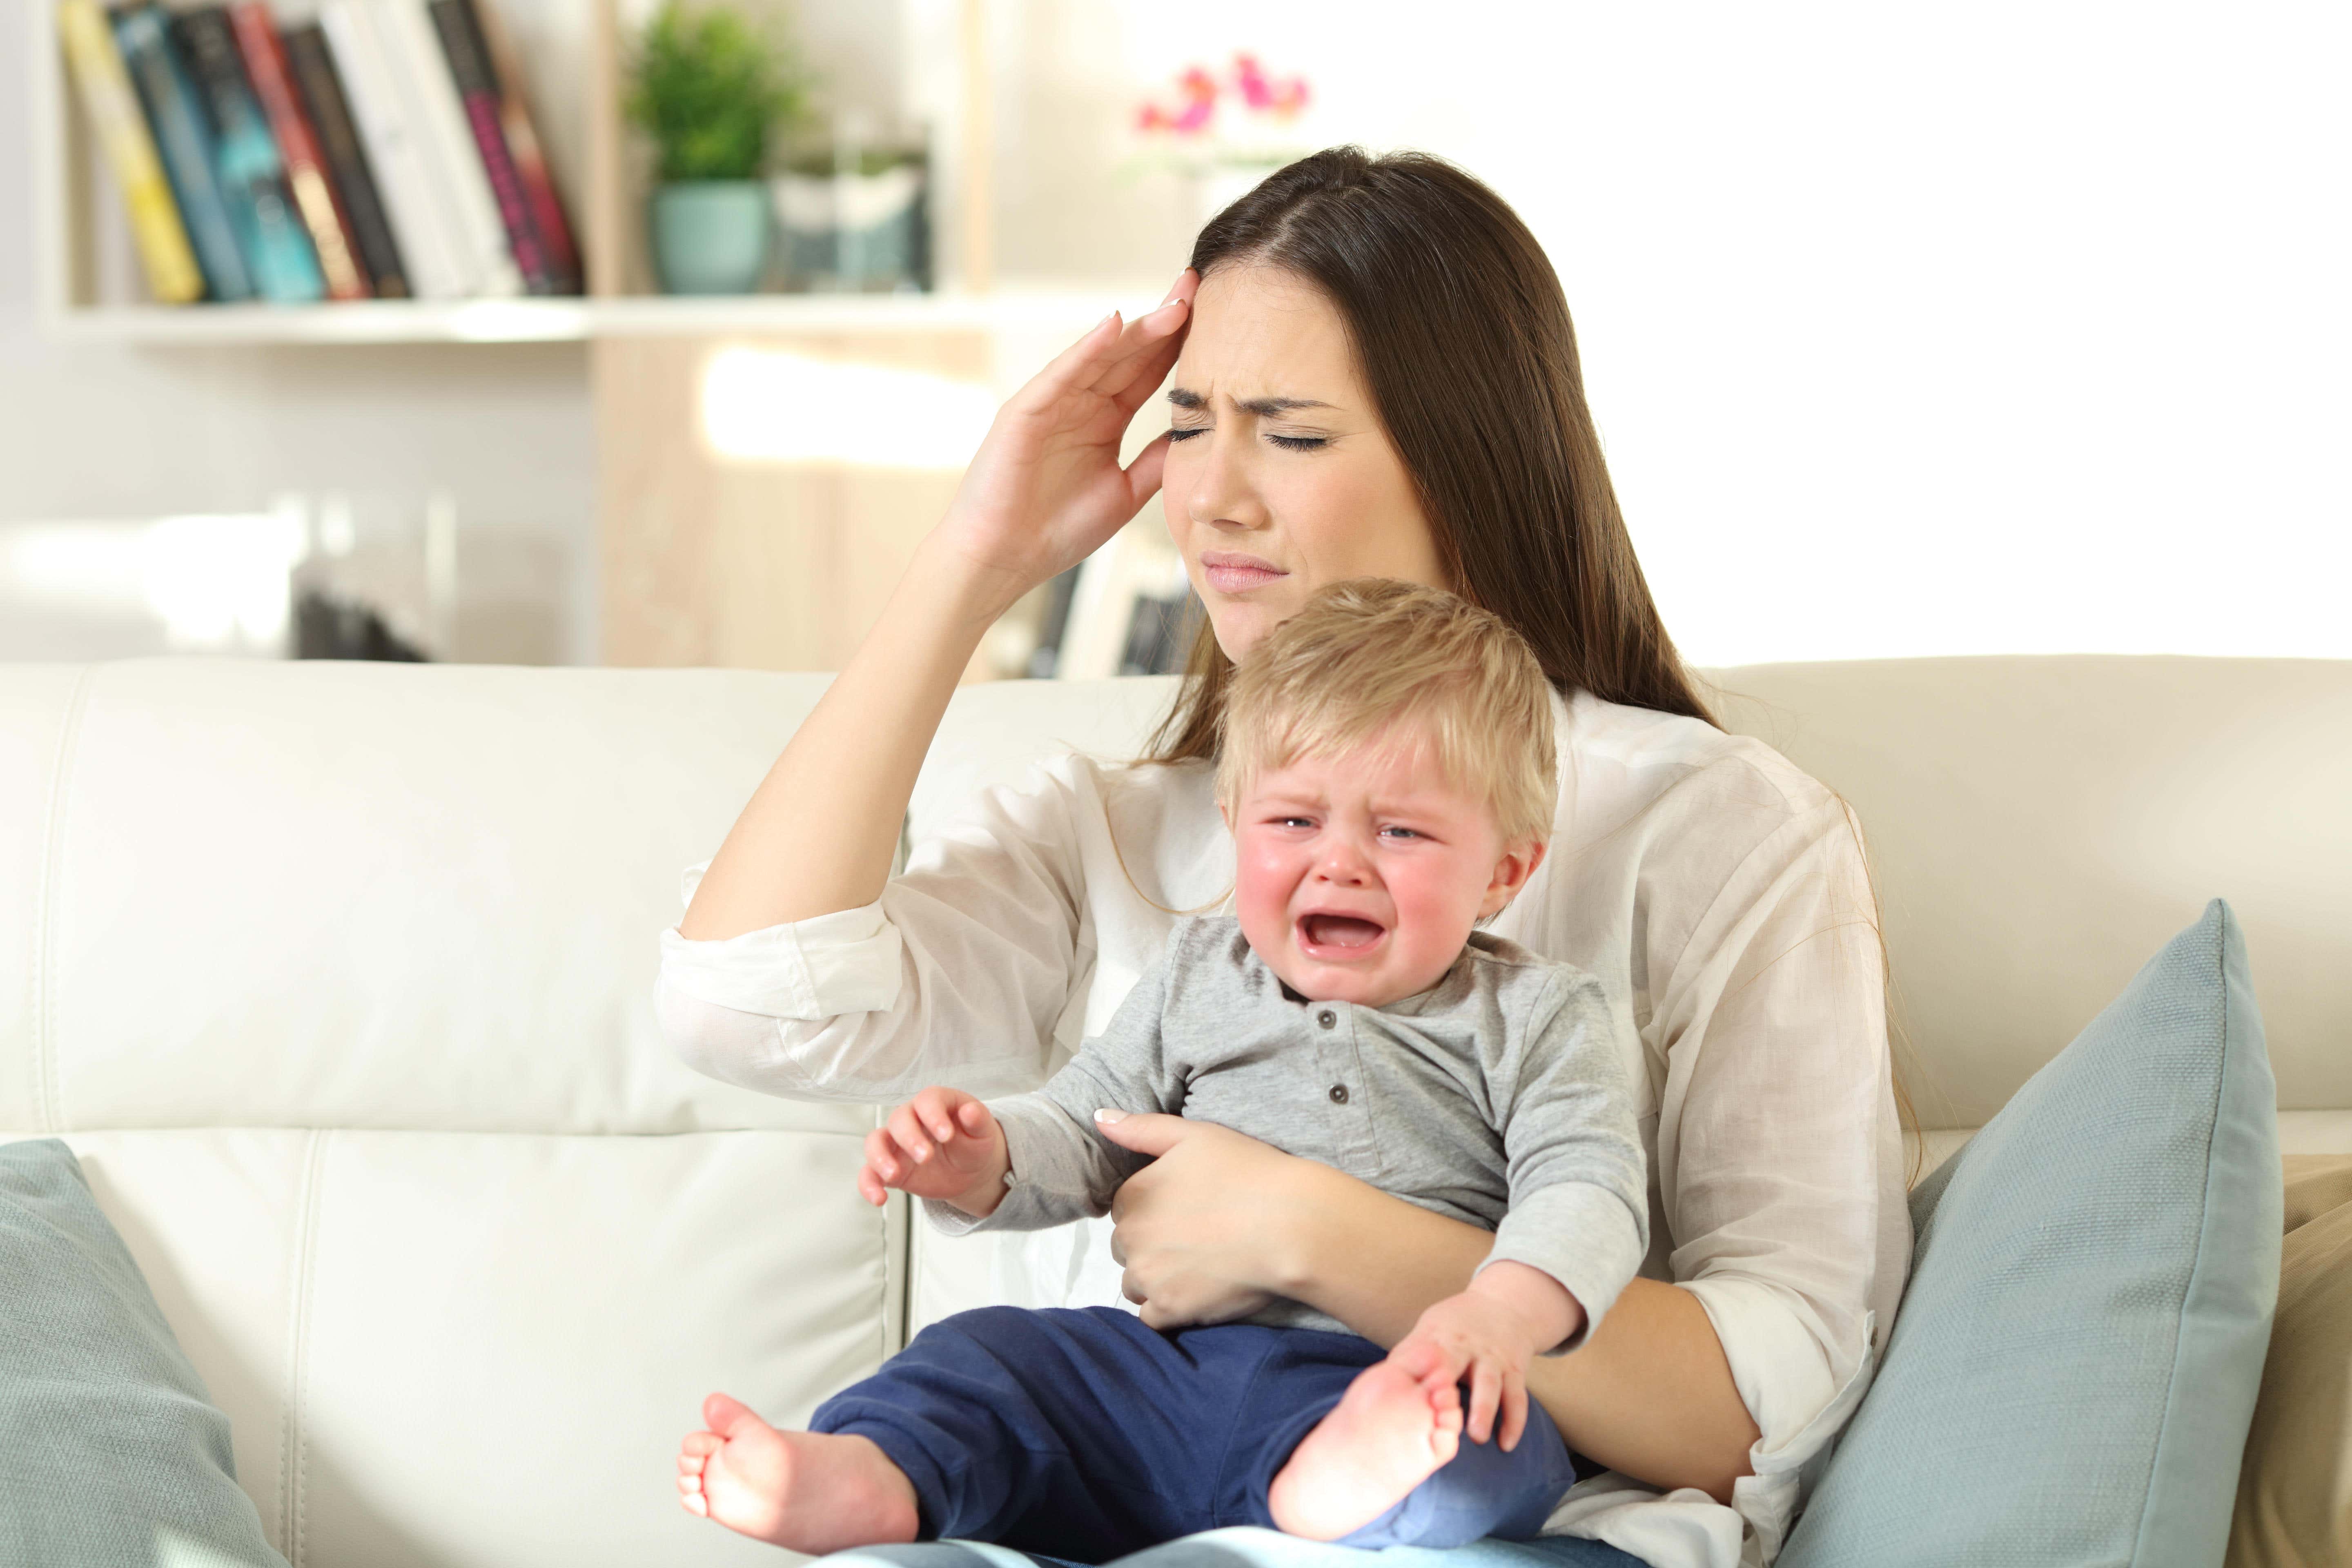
(1910, 329)
(97, 431)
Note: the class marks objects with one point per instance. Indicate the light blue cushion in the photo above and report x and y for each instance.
(2071, 1373)
(112, 1456)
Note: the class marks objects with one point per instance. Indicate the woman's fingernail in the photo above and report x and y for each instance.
(1110, 1116)
(1173, 308)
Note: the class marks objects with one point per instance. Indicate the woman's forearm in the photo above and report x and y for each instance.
(1043, 492)
(1650, 1395)
(820, 831)
(1374, 1262)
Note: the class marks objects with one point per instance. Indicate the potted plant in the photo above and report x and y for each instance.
(709, 87)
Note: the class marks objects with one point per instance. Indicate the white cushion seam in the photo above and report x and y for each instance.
(294, 1441)
(47, 1102)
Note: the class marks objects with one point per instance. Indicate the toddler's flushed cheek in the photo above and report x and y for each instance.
(1360, 878)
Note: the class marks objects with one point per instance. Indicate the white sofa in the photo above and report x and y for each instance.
(338, 979)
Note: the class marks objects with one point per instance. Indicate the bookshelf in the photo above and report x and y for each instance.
(583, 319)
(88, 291)
(705, 558)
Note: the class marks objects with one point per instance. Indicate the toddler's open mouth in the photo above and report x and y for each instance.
(1339, 933)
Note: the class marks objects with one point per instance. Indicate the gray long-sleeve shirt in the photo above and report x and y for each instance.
(1496, 1098)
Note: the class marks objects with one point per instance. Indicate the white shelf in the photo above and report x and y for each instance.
(572, 320)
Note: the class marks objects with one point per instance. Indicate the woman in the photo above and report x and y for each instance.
(1375, 375)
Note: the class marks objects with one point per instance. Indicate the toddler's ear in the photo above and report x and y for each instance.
(1511, 873)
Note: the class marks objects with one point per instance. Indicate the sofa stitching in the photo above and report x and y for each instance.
(47, 1103)
(293, 1453)
(898, 1222)
(901, 1253)
(302, 1453)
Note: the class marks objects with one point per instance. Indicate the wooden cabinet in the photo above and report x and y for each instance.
(767, 561)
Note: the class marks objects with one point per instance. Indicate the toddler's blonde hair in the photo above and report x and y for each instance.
(1379, 662)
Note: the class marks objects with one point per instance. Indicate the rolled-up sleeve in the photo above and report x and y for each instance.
(809, 970)
(958, 975)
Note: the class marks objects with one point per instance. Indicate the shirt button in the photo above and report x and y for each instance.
(1338, 1094)
(1326, 1017)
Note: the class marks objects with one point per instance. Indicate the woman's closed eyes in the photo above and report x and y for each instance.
(1287, 442)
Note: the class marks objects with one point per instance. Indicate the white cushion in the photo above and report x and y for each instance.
(462, 1348)
(2039, 827)
(339, 977)
(362, 895)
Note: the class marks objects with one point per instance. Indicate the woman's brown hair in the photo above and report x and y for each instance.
(1462, 334)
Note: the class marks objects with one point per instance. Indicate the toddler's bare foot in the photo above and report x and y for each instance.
(808, 1491)
(1388, 1433)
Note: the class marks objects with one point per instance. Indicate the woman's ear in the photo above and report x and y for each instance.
(1511, 873)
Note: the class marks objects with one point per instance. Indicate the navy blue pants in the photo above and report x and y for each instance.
(1087, 1435)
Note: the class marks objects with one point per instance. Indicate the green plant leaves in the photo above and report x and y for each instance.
(709, 87)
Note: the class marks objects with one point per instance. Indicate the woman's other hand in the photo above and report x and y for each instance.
(1045, 487)
(1196, 1228)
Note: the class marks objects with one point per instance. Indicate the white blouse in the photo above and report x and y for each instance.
(1719, 895)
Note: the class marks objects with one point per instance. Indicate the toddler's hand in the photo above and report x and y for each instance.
(1488, 1340)
(940, 1145)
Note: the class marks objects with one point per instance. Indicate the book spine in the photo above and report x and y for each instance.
(306, 171)
(435, 266)
(184, 142)
(245, 158)
(173, 275)
(470, 72)
(522, 139)
(322, 93)
(423, 77)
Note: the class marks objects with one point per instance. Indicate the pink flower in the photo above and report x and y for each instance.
(1282, 99)
(1279, 98)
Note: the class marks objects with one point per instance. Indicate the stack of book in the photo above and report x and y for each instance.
(378, 150)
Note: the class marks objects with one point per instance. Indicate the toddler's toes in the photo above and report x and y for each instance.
(724, 1414)
(693, 1455)
(1418, 1359)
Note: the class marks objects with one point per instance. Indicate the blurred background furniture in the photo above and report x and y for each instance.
(1865, 308)
(761, 463)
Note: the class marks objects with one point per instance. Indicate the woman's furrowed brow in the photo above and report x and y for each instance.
(1184, 397)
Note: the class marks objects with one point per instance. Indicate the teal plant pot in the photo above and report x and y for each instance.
(710, 237)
